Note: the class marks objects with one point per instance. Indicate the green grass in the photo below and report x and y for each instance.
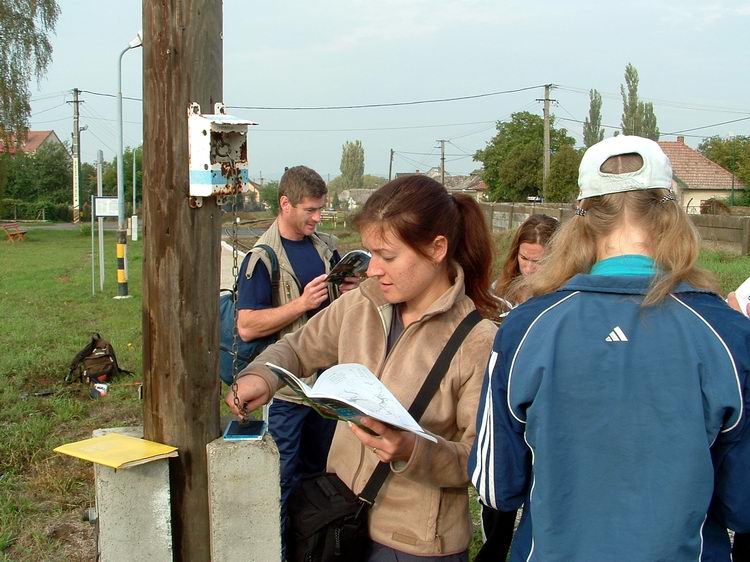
(47, 314)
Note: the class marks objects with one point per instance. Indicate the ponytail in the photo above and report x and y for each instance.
(474, 253)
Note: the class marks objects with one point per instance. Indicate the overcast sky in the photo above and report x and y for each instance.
(691, 56)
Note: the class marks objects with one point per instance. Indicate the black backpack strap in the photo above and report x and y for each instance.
(425, 394)
(275, 277)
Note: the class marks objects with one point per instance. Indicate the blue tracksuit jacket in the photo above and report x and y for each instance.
(622, 429)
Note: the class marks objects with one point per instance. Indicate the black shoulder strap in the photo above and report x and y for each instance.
(425, 394)
(274, 265)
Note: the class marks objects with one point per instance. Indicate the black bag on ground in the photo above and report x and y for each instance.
(327, 521)
(95, 363)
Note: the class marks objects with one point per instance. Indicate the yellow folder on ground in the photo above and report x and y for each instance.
(117, 450)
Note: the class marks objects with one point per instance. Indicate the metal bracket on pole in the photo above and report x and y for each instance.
(218, 160)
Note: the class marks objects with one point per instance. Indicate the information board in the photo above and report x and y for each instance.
(106, 207)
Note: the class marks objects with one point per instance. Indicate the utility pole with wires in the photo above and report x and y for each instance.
(442, 160)
(545, 169)
(76, 155)
(390, 166)
(182, 63)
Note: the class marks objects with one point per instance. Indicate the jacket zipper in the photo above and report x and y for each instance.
(378, 374)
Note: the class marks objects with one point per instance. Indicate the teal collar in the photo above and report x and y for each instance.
(630, 264)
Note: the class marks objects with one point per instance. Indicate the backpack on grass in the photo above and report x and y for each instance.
(246, 350)
(95, 363)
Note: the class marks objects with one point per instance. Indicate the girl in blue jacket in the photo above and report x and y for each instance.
(615, 406)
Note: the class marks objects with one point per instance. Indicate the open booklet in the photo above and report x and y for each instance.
(349, 391)
(353, 264)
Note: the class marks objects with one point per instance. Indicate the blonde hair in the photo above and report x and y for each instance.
(674, 243)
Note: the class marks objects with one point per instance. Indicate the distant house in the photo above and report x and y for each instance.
(34, 140)
(353, 198)
(471, 184)
(696, 178)
(252, 196)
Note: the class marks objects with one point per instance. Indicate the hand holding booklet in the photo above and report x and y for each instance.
(350, 391)
(353, 264)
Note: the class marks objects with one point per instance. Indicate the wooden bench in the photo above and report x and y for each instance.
(14, 232)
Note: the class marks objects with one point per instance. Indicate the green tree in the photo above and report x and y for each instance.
(731, 153)
(26, 51)
(638, 118)
(269, 194)
(336, 185)
(45, 175)
(592, 126)
(373, 182)
(563, 174)
(649, 127)
(352, 164)
(513, 158)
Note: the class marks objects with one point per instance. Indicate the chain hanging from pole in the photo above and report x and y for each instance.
(235, 274)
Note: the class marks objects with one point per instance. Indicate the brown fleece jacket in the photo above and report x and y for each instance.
(423, 506)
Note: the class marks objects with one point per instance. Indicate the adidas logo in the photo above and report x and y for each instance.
(616, 335)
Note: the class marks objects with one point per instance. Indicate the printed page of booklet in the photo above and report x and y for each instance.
(350, 390)
(743, 295)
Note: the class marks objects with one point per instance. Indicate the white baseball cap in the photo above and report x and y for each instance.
(656, 172)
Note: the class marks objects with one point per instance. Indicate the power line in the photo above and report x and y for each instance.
(392, 104)
(357, 106)
(50, 121)
(49, 108)
(708, 126)
(51, 95)
(261, 130)
(424, 153)
(106, 95)
(669, 103)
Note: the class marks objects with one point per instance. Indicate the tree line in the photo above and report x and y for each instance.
(30, 183)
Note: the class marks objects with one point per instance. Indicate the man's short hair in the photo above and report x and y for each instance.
(300, 182)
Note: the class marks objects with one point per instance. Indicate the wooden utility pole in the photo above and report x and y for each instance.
(545, 180)
(182, 63)
(76, 150)
(390, 166)
(442, 161)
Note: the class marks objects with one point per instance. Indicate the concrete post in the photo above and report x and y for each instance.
(133, 509)
(243, 500)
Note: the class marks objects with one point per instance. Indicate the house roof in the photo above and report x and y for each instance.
(472, 182)
(694, 170)
(34, 139)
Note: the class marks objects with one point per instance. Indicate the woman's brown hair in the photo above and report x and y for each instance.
(418, 209)
(537, 229)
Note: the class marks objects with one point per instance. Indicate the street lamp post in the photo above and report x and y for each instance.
(122, 239)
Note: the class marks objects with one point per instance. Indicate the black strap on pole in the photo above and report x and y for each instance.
(425, 394)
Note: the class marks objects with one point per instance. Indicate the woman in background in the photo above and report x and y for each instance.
(525, 252)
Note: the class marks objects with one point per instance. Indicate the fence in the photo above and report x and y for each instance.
(333, 217)
(727, 229)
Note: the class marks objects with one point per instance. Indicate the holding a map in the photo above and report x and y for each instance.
(349, 391)
(429, 268)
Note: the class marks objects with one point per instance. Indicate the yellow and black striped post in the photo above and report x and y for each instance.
(122, 277)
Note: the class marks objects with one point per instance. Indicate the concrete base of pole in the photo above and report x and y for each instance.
(133, 509)
(243, 500)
